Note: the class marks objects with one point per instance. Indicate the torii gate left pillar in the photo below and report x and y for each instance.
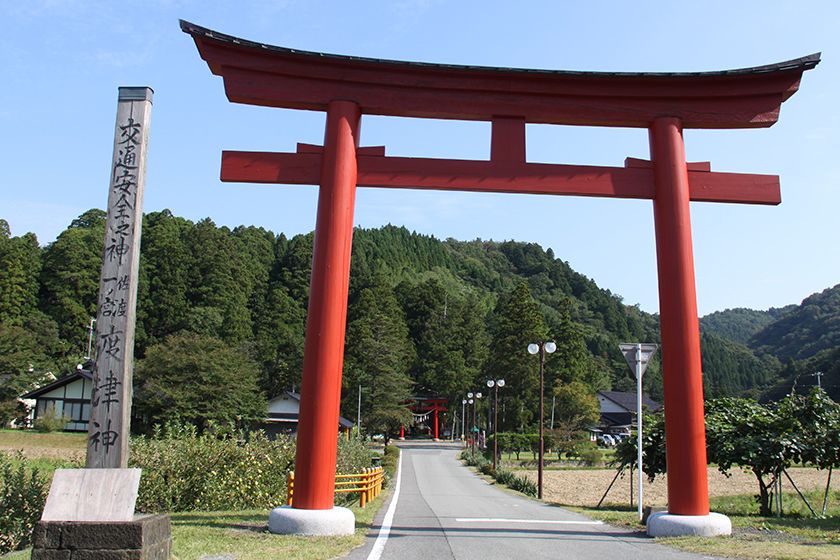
(345, 88)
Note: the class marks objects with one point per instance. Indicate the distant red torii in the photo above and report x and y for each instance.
(347, 87)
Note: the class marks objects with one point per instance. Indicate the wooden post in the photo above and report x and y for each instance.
(110, 410)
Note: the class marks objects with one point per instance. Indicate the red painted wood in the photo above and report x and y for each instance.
(487, 176)
(273, 77)
(437, 422)
(647, 164)
(688, 492)
(320, 392)
(507, 141)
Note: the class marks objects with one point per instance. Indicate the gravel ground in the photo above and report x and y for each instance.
(585, 487)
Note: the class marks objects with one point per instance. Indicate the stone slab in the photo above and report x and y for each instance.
(287, 520)
(92, 495)
(146, 537)
(50, 554)
(664, 524)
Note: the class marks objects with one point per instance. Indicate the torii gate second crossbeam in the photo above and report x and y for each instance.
(665, 104)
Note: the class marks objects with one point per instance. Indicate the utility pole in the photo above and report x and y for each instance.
(818, 375)
(359, 412)
(90, 337)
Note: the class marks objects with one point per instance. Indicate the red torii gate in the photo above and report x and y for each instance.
(420, 405)
(347, 87)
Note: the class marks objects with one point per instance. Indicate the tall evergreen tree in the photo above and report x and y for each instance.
(378, 354)
(515, 323)
(20, 266)
(219, 287)
(70, 277)
(165, 264)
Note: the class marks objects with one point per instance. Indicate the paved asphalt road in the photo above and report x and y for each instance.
(444, 511)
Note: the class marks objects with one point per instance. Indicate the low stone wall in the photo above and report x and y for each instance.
(147, 537)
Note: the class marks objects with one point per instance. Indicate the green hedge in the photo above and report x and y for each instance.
(184, 471)
(23, 492)
(518, 483)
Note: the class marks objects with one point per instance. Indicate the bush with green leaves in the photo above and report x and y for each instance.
(216, 470)
(23, 492)
(49, 421)
(524, 485)
(389, 461)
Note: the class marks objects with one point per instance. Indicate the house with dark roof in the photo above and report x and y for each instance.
(68, 396)
(283, 413)
(618, 410)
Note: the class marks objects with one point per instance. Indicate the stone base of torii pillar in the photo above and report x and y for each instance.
(286, 520)
(664, 524)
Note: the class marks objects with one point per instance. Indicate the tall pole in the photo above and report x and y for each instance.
(553, 404)
(90, 337)
(495, 424)
(110, 410)
(359, 412)
(463, 421)
(688, 490)
(542, 422)
(639, 423)
(323, 359)
(473, 427)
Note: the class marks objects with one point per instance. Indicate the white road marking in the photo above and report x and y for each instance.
(535, 521)
(385, 530)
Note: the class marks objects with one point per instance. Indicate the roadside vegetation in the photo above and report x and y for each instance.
(795, 535)
(218, 486)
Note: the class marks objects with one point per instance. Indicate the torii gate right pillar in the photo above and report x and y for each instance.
(688, 491)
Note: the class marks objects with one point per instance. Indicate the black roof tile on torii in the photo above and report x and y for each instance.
(804, 63)
(261, 74)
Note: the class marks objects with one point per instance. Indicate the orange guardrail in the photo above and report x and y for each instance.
(367, 483)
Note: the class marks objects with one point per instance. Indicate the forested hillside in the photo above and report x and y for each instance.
(804, 338)
(804, 331)
(740, 324)
(425, 315)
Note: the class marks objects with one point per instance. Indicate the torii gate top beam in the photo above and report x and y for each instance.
(260, 74)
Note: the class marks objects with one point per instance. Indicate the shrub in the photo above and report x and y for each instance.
(504, 477)
(184, 471)
(524, 485)
(49, 421)
(591, 455)
(23, 492)
(474, 458)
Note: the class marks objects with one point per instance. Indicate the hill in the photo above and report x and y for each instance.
(446, 305)
(804, 331)
(741, 324)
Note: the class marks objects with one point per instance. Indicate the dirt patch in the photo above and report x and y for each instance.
(585, 487)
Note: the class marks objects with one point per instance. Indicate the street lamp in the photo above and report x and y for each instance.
(542, 348)
(495, 384)
(474, 428)
(463, 422)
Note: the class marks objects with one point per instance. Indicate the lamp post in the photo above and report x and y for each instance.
(463, 422)
(495, 384)
(542, 348)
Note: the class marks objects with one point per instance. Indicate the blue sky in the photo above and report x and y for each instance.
(62, 61)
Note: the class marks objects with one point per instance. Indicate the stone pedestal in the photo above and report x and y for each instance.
(147, 537)
(286, 520)
(664, 524)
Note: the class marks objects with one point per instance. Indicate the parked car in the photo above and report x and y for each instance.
(606, 440)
